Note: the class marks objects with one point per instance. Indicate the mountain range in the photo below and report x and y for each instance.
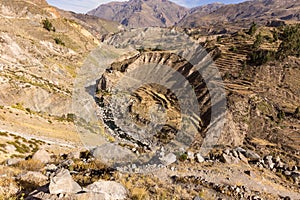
(141, 13)
(163, 13)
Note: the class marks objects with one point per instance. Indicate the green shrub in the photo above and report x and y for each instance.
(290, 45)
(252, 29)
(233, 49)
(275, 35)
(258, 41)
(281, 115)
(261, 56)
(48, 25)
(183, 157)
(59, 41)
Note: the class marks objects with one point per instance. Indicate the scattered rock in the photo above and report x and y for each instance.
(242, 157)
(63, 182)
(168, 159)
(51, 167)
(227, 151)
(191, 155)
(109, 189)
(248, 172)
(74, 155)
(240, 149)
(252, 156)
(13, 161)
(42, 155)
(197, 198)
(296, 177)
(199, 158)
(229, 159)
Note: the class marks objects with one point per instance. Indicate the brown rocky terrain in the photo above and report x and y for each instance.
(38, 65)
(46, 53)
(234, 16)
(141, 13)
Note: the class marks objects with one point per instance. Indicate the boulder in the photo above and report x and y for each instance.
(242, 157)
(229, 159)
(240, 149)
(111, 153)
(252, 156)
(168, 159)
(109, 190)
(199, 158)
(63, 182)
(42, 155)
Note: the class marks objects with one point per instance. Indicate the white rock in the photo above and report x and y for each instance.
(13, 161)
(191, 155)
(168, 159)
(111, 190)
(200, 159)
(63, 182)
(42, 155)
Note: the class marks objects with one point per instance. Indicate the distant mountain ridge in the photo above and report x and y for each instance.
(163, 13)
(243, 14)
(141, 13)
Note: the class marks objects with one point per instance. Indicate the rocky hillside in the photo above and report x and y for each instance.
(144, 154)
(41, 49)
(141, 13)
(206, 9)
(243, 14)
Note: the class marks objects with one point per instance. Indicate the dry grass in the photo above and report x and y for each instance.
(8, 186)
(30, 165)
(8, 189)
(139, 193)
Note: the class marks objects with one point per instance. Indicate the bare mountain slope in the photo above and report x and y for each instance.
(245, 13)
(141, 13)
(38, 66)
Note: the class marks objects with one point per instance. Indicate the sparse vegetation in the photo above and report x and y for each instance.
(59, 41)
(252, 29)
(258, 41)
(48, 25)
(30, 165)
(281, 115)
(18, 106)
(261, 56)
(183, 157)
(290, 45)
